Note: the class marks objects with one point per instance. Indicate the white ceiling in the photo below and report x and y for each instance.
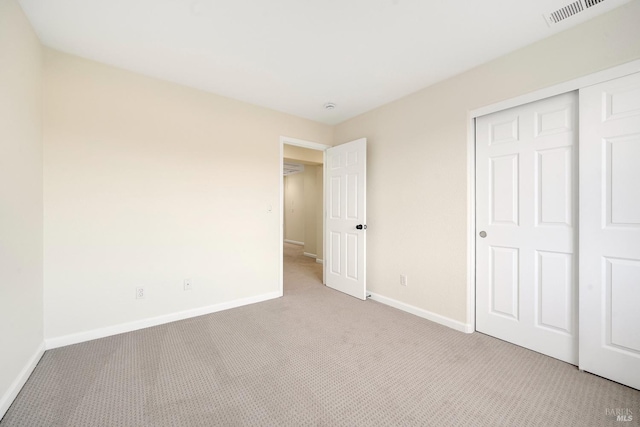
(296, 55)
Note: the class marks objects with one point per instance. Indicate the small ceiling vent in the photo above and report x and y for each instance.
(569, 10)
(590, 3)
(292, 168)
(565, 12)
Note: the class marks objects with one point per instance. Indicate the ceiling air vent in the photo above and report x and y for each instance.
(565, 12)
(574, 8)
(292, 168)
(590, 3)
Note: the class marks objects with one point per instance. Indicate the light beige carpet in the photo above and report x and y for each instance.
(313, 357)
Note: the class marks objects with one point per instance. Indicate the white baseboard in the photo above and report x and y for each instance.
(153, 321)
(453, 324)
(8, 398)
(294, 242)
(319, 261)
(310, 255)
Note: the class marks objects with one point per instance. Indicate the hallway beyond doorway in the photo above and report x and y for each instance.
(300, 272)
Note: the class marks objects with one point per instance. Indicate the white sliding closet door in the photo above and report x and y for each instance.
(610, 230)
(526, 199)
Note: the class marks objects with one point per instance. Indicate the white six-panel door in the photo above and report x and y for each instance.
(345, 202)
(610, 230)
(526, 209)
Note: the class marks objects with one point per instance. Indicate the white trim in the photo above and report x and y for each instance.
(303, 144)
(294, 242)
(281, 224)
(446, 321)
(319, 261)
(568, 86)
(471, 221)
(153, 321)
(324, 216)
(313, 146)
(17, 384)
(309, 255)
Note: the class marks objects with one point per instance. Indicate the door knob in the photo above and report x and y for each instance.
(483, 234)
(361, 227)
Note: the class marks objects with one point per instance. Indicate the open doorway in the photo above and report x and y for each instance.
(302, 213)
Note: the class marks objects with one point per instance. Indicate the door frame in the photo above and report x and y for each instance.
(568, 86)
(312, 146)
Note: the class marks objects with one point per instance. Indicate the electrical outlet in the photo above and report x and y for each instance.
(140, 292)
(187, 285)
(403, 279)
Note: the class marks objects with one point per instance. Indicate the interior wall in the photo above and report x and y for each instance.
(417, 158)
(294, 208)
(148, 183)
(319, 211)
(310, 190)
(302, 154)
(21, 291)
(302, 209)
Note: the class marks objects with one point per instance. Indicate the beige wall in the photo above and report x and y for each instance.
(148, 183)
(417, 195)
(310, 190)
(294, 207)
(319, 210)
(302, 154)
(21, 288)
(307, 226)
(303, 209)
